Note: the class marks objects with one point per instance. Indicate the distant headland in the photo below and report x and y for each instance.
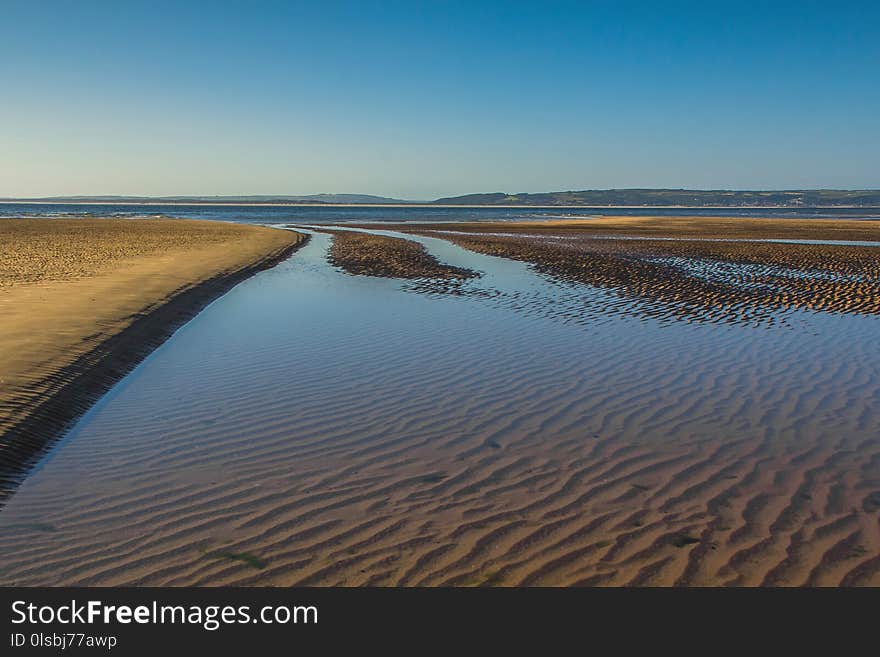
(688, 198)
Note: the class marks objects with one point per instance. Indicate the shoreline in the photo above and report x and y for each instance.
(652, 226)
(35, 415)
(452, 206)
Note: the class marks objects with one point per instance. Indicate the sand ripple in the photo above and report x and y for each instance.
(464, 440)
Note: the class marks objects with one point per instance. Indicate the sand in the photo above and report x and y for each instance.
(83, 300)
(377, 255)
(367, 439)
(702, 227)
(370, 436)
(696, 268)
(704, 280)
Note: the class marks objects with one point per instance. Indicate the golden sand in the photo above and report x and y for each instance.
(75, 299)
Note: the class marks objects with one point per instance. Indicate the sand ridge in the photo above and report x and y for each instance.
(704, 280)
(378, 255)
(695, 268)
(83, 300)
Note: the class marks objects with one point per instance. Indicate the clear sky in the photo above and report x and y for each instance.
(420, 100)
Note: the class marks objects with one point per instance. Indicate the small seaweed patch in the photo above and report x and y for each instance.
(640, 486)
(683, 540)
(245, 557)
(494, 444)
(434, 478)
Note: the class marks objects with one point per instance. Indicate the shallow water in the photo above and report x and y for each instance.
(670, 239)
(510, 429)
(338, 214)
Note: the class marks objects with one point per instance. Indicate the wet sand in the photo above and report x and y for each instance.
(377, 255)
(82, 301)
(694, 268)
(530, 428)
(702, 280)
(691, 227)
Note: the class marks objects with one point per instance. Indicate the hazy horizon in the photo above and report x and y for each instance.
(287, 195)
(429, 100)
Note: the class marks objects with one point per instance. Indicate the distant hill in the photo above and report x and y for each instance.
(588, 198)
(349, 198)
(334, 199)
(679, 197)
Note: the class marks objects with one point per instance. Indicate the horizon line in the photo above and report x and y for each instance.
(289, 196)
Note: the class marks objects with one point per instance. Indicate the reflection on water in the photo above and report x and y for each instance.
(338, 429)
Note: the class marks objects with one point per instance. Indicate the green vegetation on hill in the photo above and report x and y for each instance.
(677, 197)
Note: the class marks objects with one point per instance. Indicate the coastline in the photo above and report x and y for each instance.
(451, 205)
(703, 227)
(89, 330)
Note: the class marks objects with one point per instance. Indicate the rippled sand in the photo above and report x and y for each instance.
(670, 226)
(318, 428)
(82, 301)
(703, 280)
(378, 255)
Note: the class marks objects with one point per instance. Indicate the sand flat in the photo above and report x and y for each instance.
(700, 279)
(519, 429)
(661, 226)
(67, 286)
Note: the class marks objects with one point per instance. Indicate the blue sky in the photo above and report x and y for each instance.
(420, 100)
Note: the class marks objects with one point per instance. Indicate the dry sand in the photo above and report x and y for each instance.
(83, 300)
